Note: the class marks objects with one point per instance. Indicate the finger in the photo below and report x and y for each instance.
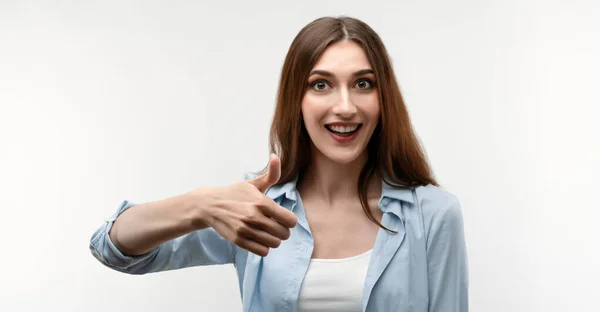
(271, 177)
(262, 238)
(273, 227)
(236, 237)
(252, 246)
(280, 214)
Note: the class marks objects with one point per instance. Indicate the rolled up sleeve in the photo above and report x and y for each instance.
(107, 253)
(203, 247)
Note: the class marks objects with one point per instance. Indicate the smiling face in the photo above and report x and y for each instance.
(341, 104)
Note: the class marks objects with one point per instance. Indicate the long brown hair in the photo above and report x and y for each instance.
(393, 151)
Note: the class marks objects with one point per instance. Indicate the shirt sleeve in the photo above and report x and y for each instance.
(447, 260)
(202, 247)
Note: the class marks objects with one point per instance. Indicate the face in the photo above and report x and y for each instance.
(341, 104)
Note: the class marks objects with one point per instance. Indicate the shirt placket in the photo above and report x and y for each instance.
(302, 255)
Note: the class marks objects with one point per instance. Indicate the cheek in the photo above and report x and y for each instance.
(376, 112)
(370, 106)
(312, 111)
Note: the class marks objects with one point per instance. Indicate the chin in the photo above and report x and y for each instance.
(342, 157)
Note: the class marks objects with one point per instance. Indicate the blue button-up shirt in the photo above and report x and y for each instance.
(423, 267)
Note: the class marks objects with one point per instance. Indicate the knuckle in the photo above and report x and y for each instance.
(237, 240)
(259, 201)
(251, 214)
(242, 229)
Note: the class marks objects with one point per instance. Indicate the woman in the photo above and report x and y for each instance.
(346, 216)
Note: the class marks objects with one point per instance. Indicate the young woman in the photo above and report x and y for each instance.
(346, 216)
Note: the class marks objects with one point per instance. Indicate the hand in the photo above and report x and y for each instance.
(244, 215)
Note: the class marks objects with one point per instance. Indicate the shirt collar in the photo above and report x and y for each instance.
(395, 192)
(288, 189)
(387, 191)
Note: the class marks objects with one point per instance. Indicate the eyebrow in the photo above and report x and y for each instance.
(329, 74)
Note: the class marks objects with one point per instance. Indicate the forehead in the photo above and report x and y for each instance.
(343, 56)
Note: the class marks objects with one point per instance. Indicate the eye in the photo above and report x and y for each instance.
(320, 85)
(364, 84)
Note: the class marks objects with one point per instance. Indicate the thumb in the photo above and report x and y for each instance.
(270, 177)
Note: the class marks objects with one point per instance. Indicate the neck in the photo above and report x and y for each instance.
(332, 182)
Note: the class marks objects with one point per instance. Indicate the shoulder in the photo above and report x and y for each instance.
(432, 199)
(439, 208)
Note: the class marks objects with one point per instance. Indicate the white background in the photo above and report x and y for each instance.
(109, 100)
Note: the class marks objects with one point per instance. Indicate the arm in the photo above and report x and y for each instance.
(141, 228)
(201, 227)
(447, 260)
(163, 235)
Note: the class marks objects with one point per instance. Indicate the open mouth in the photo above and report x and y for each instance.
(343, 131)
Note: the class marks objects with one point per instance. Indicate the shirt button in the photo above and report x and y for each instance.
(385, 201)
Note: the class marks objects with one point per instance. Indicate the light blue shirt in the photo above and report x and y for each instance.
(421, 268)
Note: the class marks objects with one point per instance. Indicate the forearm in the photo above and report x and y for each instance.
(144, 227)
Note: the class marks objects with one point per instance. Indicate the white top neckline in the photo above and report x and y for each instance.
(333, 285)
(342, 259)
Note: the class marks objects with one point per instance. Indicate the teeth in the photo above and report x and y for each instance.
(342, 129)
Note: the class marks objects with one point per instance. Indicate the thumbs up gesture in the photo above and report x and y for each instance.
(244, 215)
(269, 178)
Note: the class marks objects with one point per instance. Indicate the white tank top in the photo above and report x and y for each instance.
(334, 285)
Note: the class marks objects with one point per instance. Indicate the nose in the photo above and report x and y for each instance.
(344, 107)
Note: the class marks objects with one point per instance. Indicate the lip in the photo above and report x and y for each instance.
(342, 139)
(343, 124)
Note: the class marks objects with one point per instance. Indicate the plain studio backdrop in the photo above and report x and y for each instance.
(103, 101)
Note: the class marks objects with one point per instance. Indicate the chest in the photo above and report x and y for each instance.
(395, 278)
(343, 230)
